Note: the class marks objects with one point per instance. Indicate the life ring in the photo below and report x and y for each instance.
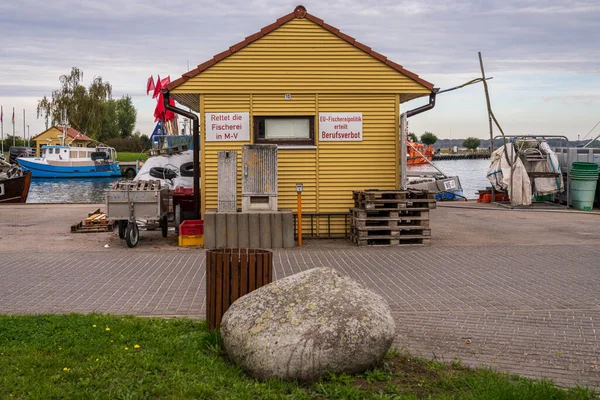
(187, 169)
(162, 173)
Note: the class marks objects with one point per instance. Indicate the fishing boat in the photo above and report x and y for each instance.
(14, 183)
(72, 162)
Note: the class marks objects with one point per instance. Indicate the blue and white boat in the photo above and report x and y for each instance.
(72, 162)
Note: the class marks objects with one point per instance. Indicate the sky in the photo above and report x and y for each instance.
(543, 55)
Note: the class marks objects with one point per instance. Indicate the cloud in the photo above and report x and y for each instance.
(551, 45)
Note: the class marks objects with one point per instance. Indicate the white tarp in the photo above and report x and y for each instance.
(544, 186)
(172, 162)
(500, 171)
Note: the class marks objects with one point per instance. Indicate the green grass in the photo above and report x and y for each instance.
(76, 357)
(127, 156)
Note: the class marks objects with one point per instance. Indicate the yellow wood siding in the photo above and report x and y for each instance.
(300, 57)
(323, 73)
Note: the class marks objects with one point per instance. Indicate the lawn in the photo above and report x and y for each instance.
(110, 357)
(127, 156)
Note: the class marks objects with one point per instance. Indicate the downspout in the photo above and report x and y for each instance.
(196, 142)
(403, 135)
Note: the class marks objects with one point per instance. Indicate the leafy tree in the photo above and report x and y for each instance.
(126, 116)
(412, 137)
(471, 143)
(428, 138)
(91, 110)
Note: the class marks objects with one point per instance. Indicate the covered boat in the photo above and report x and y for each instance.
(14, 183)
(72, 162)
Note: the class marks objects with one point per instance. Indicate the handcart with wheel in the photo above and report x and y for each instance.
(130, 202)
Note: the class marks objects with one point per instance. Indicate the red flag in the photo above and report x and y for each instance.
(150, 85)
(159, 111)
(165, 82)
(157, 88)
(13, 117)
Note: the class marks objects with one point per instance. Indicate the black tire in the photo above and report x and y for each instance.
(122, 228)
(162, 173)
(187, 169)
(165, 226)
(130, 173)
(132, 235)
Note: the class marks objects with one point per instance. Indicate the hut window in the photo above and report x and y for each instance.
(284, 130)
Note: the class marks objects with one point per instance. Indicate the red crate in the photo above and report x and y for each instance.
(191, 227)
(180, 191)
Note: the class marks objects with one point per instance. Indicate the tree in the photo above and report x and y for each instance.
(471, 143)
(92, 111)
(412, 137)
(126, 116)
(428, 138)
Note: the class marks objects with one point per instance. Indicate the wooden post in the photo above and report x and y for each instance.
(299, 219)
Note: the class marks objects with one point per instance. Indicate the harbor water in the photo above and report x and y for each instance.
(86, 190)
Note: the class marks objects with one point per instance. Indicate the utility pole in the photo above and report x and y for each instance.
(2, 123)
(28, 137)
(13, 122)
(23, 126)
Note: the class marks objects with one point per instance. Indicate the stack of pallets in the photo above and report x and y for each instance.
(391, 217)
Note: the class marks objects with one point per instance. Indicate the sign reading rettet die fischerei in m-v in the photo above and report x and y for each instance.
(227, 127)
(340, 127)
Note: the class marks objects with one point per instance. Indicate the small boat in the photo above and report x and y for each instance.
(445, 187)
(14, 183)
(72, 162)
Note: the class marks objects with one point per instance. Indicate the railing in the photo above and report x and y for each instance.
(316, 222)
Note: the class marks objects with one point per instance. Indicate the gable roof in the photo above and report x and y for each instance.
(72, 133)
(299, 12)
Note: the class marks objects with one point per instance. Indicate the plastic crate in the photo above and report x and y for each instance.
(191, 240)
(180, 191)
(191, 227)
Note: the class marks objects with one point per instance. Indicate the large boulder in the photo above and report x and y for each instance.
(305, 325)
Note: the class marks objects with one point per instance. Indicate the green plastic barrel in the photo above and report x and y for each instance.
(584, 179)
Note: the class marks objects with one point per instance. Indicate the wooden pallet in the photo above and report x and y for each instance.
(81, 227)
(167, 150)
(399, 241)
(136, 185)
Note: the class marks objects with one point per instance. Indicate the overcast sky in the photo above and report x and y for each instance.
(544, 55)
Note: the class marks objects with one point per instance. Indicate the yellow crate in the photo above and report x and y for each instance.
(191, 240)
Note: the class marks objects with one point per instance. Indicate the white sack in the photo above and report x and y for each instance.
(499, 174)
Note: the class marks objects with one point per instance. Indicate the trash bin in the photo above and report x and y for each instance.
(231, 274)
(584, 178)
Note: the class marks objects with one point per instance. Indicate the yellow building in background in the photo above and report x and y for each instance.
(330, 103)
(53, 136)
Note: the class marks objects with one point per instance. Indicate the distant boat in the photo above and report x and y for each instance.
(14, 183)
(72, 162)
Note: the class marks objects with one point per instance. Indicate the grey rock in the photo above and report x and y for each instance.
(307, 324)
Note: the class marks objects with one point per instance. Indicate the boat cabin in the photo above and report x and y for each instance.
(74, 154)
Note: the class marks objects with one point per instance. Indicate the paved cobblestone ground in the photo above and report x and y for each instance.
(530, 309)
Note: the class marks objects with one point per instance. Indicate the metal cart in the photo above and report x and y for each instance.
(128, 202)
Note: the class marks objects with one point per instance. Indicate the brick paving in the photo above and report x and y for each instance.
(532, 310)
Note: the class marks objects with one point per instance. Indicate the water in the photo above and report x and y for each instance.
(86, 190)
(470, 172)
(78, 190)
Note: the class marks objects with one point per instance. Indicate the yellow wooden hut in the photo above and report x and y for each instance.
(331, 103)
(54, 136)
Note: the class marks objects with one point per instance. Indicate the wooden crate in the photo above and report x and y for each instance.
(231, 274)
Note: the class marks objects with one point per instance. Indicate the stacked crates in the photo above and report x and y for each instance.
(191, 233)
(391, 217)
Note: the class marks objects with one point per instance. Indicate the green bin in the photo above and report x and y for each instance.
(584, 179)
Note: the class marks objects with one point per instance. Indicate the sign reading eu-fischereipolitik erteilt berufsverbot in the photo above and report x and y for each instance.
(341, 127)
(227, 127)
